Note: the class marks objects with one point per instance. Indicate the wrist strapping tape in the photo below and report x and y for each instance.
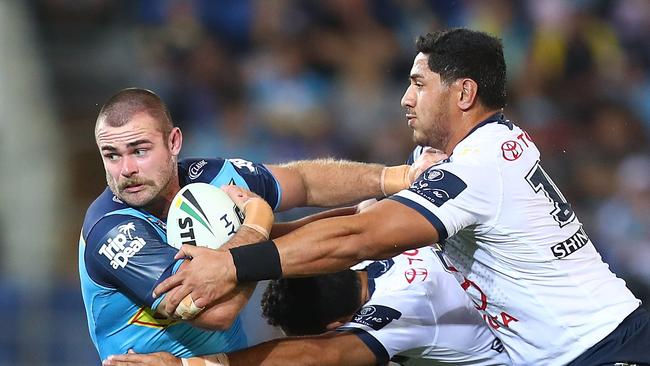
(259, 216)
(187, 310)
(394, 179)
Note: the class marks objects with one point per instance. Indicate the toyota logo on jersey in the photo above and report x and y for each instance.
(511, 150)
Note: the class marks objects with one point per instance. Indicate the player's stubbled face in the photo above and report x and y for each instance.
(139, 164)
(426, 103)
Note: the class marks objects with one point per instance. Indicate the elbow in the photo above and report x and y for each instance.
(359, 247)
(219, 321)
(224, 322)
(370, 246)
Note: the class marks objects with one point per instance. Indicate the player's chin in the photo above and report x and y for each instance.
(419, 138)
(137, 199)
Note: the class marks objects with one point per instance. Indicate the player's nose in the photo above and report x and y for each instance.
(408, 99)
(129, 166)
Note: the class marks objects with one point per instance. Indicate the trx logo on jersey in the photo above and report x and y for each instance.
(123, 246)
(376, 316)
(196, 169)
(571, 245)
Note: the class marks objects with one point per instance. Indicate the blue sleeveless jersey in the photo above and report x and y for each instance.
(123, 255)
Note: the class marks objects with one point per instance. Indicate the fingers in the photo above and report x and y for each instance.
(432, 150)
(429, 157)
(201, 302)
(238, 195)
(186, 251)
(174, 299)
(168, 284)
(433, 155)
(124, 360)
(133, 359)
(233, 190)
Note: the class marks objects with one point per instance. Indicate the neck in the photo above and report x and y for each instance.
(468, 120)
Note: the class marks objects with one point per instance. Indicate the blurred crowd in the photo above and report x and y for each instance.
(277, 80)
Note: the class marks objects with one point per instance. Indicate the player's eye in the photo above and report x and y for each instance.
(140, 152)
(112, 157)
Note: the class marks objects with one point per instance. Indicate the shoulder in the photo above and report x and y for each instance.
(117, 228)
(496, 144)
(206, 170)
(116, 238)
(105, 204)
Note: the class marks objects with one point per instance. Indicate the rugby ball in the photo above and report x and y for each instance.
(204, 215)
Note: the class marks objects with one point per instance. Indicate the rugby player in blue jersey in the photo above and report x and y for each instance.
(123, 252)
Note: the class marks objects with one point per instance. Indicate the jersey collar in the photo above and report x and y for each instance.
(376, 269)
(497, 117)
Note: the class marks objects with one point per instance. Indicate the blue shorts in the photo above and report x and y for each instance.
(628, 344)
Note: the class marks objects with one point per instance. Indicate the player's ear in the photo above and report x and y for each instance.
(175, 140)
(333, 325)
(467, 94)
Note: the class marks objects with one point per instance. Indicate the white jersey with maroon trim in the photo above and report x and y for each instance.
(518, 248)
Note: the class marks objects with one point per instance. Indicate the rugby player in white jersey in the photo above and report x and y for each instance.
(519, 250)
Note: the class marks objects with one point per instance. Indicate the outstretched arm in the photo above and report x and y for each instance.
(330, 183)
(330, 349)
(383, 230)
(283, 228)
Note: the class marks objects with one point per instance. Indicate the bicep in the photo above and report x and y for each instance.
(391, 228)
(294, 192)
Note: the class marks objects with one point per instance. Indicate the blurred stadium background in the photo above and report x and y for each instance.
(278, 80)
